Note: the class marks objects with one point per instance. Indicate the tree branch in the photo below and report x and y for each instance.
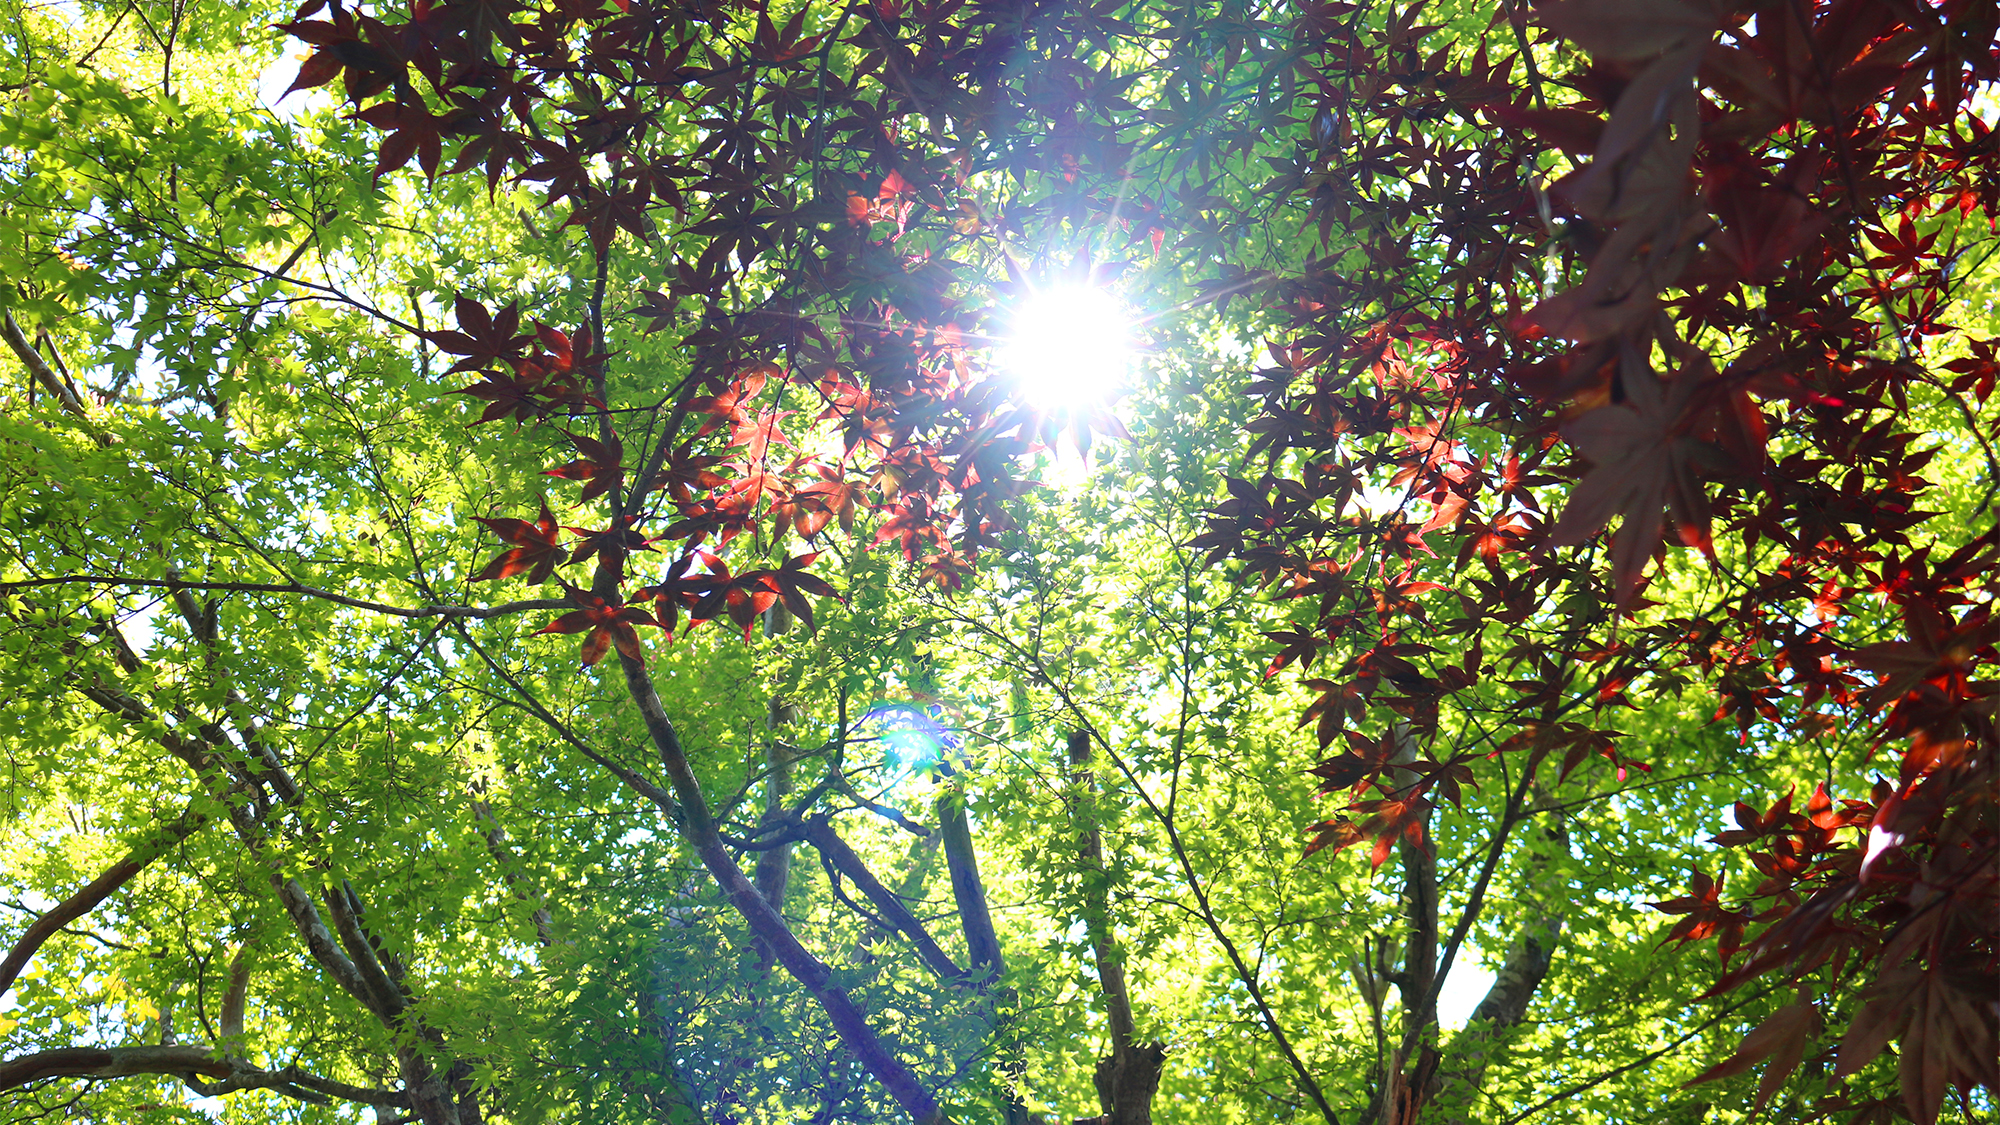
(975, 917)
(1642, 1060)
(1128, 1078)
(774, 865)
(634, 780)
(1178, 847)
(111, 1062)
(386, 997)
(1476, 900)
(190, 1065)
(236, 997)
(1520, 976)
(1418, 981)
(193, 752)
(698, 827)
(342, 1090)
(496, 846)
(39, 369)
(452, 611)
(820, 833)
(297, 903)
(99, 889)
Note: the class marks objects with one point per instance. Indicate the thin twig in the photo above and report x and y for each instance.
(1642, 1060)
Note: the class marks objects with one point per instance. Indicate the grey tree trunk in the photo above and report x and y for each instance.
(1542, 892)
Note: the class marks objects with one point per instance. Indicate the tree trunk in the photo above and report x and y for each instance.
(1129, 1076)
(1527, 965)
(774, 867)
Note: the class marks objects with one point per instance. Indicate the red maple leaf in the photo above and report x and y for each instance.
(1643, 464)
(369, 64)
(600, 467)
(1902, 251)
(618, 540)
(1782, 1038)
(506, 396)
(1939, 654)
(483, 338)
(789, 585)
(1363, 762)
(562, 357)
(757, 435)
(809, 509)
(1705, 915)
(606, 622)
(685, 471)
(912, 527)
(678, 590)
(727, 407)
(1390, 819)
(1338, 834)
(413, 131)
(1753, 826)
(535, 548)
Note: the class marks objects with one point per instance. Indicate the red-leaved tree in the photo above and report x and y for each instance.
(1747, 222)
(800, 204)
(1766, 210)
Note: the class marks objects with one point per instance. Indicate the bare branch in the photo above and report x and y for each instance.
(698, 827)
(1128, 1078)
(774, 866)
(39, 369)
(1204, 909)
(237, 997)
(1527, 965)
(982, 942)
(384, 996)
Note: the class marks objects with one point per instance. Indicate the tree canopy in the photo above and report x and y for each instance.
(999, 561)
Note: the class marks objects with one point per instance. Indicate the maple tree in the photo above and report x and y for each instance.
(1518, 272)
(1750, 219)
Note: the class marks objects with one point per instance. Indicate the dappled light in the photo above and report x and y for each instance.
(615, 562)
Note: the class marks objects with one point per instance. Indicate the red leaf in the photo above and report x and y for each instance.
(1705, 915)
(605, 623)
(1641, 468)
(535, 551)
(909, 526)
(1337, 834)
(1782, 1038)
(600, 467)
(319, 68)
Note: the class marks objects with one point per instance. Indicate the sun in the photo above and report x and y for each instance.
(1068, 346)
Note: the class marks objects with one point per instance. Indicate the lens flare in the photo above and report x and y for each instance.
(911, 733)
(1068, 346)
